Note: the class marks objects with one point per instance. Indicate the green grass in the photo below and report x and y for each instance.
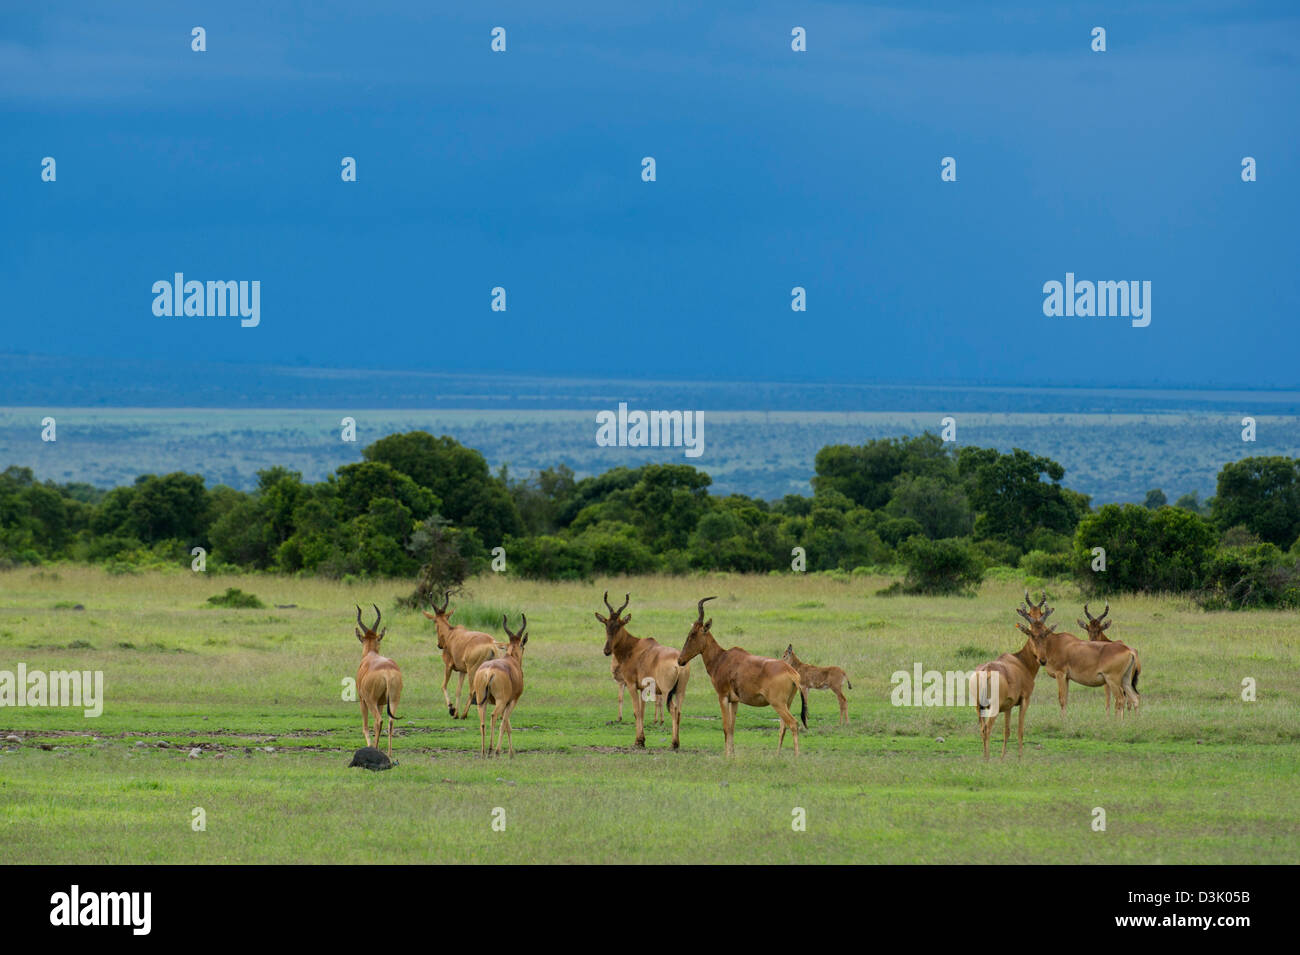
(1200, 777)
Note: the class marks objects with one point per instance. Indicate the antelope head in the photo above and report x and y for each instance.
(1036, 615)
(789, 656)
(1095, 625)
(517, 640)
(699, 635)
(367, 635)
(441, 618)
(615, 624)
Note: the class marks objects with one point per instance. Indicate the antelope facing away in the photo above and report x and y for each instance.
(379, 682)
(463, 651)
(1066, 657)
(741, 677)
(500, 681)
(644, 663)
(1001, 686)
(821, 678)
(1095, 626)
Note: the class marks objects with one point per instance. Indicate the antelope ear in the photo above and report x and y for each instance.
(449, 613)
(382, 632)
(1106, 625)
(359, 636)
(708, 623)
(1081, 623)
(1023, 629)
(524, 641)
(600, 618)
(627, 619)
(429, 615)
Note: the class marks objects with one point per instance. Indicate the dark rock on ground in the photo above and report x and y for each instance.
(367, 757)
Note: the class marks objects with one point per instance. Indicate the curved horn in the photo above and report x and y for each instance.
(446, 602)
(505, 624)
(607, 603)
(1043, 601)
(627, 599)
(1028, 602)
(359, 623)
(1088, 615)
(378, 616)
(523, 622)
(1105, 610)
(701, 606)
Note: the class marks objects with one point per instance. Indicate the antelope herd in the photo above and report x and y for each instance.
(654, 671)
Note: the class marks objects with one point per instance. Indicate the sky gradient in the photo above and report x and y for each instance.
(775, 169)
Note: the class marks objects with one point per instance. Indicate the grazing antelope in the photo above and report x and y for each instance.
(644, 663)
(1067, 658)
(379, 682)
(741, 677)
(500, 681)
(463, 651)
(1095, 626)
(821, 678)
(1005, 683)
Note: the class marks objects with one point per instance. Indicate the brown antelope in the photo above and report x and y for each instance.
(622, 687)
(821, 678)
(463, 651)
(1095, 626)
(1067, 658)
(1001, 686)
(379, 682)
(741, 677)
(645, 664)
(500, 681)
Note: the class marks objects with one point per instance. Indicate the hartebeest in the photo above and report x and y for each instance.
(1067, 658)
(463, 651)
(645, 664)
(622, 687)
(379, 682)
(1001, 686)
(1095, 626)
(741, 677)
(500, 681)
(821, 678)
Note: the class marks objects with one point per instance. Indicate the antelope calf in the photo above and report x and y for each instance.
(500, 681)
(379, 682)
(1095, 626)
(821, 678)
(644, 663)
(463, 652)
(1066, 657)
(741, 677)
(1001, 686)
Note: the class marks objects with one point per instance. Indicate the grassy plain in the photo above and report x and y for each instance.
(1200, 776)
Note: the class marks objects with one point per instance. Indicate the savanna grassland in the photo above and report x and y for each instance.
(1200, 777)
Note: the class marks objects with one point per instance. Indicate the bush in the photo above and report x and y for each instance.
(1254, 577)
(234, 597)
(1168, 550)
(940, 567)
(1042, 564)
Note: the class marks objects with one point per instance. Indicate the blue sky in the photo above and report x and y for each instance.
(775, 169)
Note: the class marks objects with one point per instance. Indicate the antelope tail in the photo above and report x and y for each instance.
(672, 691)
(803, 712)
(848, 682)
(1130, 672)
(1137, 672)
(388, 705)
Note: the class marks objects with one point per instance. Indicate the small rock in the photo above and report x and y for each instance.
(195, 753)
(163, 744)
(12, 738)
(445, 780)
(268, 749)
(205, 717)
(140, 744)
(219, 756)
(79, 607)
(938, 739)
(47, 747)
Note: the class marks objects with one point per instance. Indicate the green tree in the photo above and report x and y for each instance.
(1264, 495)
